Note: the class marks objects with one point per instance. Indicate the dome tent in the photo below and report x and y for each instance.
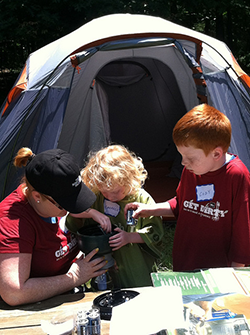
(121, 78)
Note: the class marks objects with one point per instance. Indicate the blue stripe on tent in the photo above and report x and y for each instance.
(32, 123)
(229, 98)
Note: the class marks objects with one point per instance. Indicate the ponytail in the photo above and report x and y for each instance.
(23, 156)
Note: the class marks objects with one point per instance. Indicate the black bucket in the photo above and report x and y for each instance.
(92, 237)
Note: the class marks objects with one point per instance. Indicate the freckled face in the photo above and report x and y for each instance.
(195, 160)
(116, 194)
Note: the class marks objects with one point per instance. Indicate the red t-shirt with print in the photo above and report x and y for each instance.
(213, 218)
(22, 230)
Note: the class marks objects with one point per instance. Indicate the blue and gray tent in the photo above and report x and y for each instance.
(123, 79)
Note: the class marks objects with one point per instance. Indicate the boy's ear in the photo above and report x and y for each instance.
(217, 153)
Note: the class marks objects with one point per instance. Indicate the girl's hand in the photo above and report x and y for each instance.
(102, 219)
(119, 240)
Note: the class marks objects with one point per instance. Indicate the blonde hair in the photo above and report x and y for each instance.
(205, 128)
(114, 165)
(21, 159)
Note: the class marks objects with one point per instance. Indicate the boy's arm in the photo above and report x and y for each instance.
(237, 265)
(146, 210)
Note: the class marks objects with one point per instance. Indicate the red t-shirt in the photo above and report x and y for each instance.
(213, 218)
(22, 230)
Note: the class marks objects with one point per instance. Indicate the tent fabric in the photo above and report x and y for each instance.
(16, 90)
(121, 78)
(237, 109)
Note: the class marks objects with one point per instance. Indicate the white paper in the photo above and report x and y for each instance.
(227, 280)
(154, 309)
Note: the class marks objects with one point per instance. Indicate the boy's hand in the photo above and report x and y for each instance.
(132, 205)
(147, 210)
(140, 210)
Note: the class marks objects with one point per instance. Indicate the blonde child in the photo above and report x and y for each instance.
(116, 176)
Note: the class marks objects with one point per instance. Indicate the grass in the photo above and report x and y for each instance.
(169, 228)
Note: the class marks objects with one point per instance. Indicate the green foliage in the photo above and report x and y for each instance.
(167, 264)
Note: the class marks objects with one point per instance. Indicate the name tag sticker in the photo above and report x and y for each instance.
(111, 208)
(205, 192)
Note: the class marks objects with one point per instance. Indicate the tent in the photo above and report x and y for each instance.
(121, 78)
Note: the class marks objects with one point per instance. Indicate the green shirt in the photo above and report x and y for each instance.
(135, 261)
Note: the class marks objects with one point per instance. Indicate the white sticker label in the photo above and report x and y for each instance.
(111, 208)
(205, 192)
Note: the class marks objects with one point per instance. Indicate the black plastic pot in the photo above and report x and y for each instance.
(92, 237)
(106, 301)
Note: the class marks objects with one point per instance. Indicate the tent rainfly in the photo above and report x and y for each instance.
(123, 79)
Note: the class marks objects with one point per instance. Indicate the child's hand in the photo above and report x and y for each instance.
(147, 210)
(97, 216)
(102, 219)
(132, 205)
(140, 210)
(119, 240)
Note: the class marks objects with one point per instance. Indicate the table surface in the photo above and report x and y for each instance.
(27, 319)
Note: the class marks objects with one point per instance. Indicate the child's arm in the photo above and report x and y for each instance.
(237, 265)
(146, 210)
(97, 216)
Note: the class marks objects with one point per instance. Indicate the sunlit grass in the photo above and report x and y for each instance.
(167, 265)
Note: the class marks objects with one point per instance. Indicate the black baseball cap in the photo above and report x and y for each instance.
(56, 174)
